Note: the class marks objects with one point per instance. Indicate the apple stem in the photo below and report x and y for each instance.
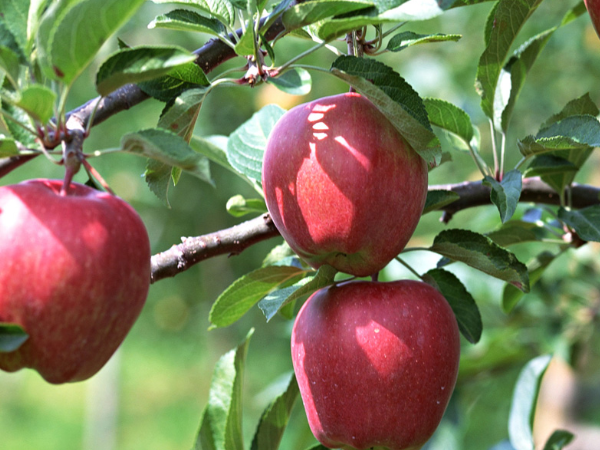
(375, 276)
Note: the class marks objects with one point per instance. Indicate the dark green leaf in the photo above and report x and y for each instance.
(184, 20)
(168, 148)
(239, 206)
(449, 117)
(408, 38)
(437, 199)
(558, 440)
(522, 411)
(517, 232)
(246, 291)
(580, 106)
(15, 14)
(133, 65)
(536, 267)
(37, 101)
(72, 32)
(395, 98)
(505, 194)
(221, 10)
(246, 45)
(294, 81)
(178, 80)
(462, 303)
(505, 21)
(299, 291)
(585, 222)
(221, 423)
(548, 164)
(247, 144)
(20, 134)
(481, 253)
(12, 336)
(275, 418)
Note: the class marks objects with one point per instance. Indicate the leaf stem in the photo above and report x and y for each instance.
(301, 55)
(502, 151)
(494, 148)
(409, 267)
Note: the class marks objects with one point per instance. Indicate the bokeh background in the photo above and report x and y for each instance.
(151, 394)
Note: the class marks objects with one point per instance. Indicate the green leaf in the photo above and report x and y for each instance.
(37, 101)
(246, 45)
(222, 10)
(221, 423)
(181, 116)
(133, 65)
(522, 411)
(213, 150)
(72, 32)
(449, 117)
(505, 21)
(158, 177)
(21, 135)
(517, 232)
(408, 38)
(314, 11)
(185, 20)
(8, 147)
(536, 267)
(15, 14)
(558, 440)
(239, 206)
(178, 80)
(278, 253)
(548, 164)
(395, 98)
(384, 11)
(12, 336)
(437, 199)
(295, 81)
(168, 148)
(247, 144)
(513, 75)
(506, 193)
(580, 106)
(481, 253)
(585, 222)
(462, 303)
(9, 63)
(273, 302)
(275, 418)
(246, 291)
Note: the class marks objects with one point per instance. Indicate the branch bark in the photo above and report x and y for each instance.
(234, 240)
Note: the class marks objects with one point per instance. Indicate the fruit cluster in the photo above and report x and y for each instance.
(74, 274)
(376, 363)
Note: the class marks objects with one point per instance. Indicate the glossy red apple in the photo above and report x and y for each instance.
(74, 273)
(593, 7)
(376, 363)
(342, 185)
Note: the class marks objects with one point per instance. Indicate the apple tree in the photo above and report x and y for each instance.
(505, 247)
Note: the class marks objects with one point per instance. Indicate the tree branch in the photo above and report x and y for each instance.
(236, 239)
(209, 56)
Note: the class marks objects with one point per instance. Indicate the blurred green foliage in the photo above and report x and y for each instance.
(152, 393)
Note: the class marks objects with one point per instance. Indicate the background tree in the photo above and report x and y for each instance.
(539, 119)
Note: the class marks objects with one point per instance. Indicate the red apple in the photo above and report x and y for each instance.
(342, 185)
(593, 7)
(74, 273)
(376, 363)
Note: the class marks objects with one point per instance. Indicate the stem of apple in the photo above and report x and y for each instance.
(405, 264)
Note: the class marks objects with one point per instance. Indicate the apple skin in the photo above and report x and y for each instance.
(74, 273)
(593, 7)
(342, 185)
(376, 363)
